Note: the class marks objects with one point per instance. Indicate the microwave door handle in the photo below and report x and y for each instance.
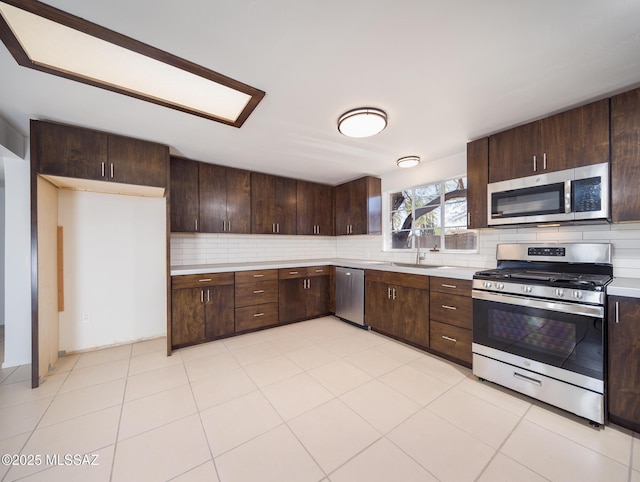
(569, 197)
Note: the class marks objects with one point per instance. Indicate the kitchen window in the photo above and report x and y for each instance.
(430, 216)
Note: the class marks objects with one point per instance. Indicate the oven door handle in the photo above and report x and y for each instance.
(570, 308)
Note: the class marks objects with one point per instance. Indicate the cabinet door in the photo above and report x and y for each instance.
(343, 200)
(212, 193)
(317, 296)
(325, 211)
(285, 205)
(306, 206)
(184, 196)
(625, 156)
(414, 307)
(477, 180)
(70, 151)
(624, 361)
(377, 305)
(358, 206)
(238, 201)
(511, 153)
(262, 204)
(578, 137)
(219, 311)
(132, 161)
(292, 299)
(187, 316)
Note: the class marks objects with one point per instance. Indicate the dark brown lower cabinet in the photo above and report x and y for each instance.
(624, 361)
(303, 293)
(397, 304)
(202, 308)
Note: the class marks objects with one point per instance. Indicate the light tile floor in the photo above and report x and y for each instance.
(314, 401)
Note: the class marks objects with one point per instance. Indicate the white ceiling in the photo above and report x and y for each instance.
(444, 71)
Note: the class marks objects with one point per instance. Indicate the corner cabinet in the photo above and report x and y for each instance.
(315, 205)
(359, 207)
(477, 180)
(79, 153)
(304, 293)
(578, 137)
(623, 385)
(273, 204)
(625, 156)
(397, 304)
(202, 308)
(451, 318)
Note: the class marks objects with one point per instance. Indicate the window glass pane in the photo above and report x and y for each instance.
(401, 240)
(428, 217)
(400, 220)
(459, 238)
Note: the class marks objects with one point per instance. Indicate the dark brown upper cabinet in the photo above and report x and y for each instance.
(184, 199)
(359, 207)
(477, 179)
(578, 137)
(625, 156)
(225, 199)
(273, 204)
(75, 152)
(315, 204)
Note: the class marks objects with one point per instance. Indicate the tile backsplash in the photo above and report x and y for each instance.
(187, 249)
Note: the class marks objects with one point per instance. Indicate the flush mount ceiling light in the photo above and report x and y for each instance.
(362, 122)
(408, 161)
(53, 41)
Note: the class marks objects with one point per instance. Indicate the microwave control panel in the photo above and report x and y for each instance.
(587, 195)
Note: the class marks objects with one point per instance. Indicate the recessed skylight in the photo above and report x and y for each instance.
(50, 40)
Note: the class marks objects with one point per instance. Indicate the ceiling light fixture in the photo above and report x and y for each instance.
(44, 38)
(362, 122)
(408, 161)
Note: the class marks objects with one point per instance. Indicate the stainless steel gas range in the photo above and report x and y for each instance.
(539, 321)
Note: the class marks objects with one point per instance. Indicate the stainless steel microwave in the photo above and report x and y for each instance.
(580, 194)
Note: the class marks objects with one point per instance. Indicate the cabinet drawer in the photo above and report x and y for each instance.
(318, 271)
(452, 286)
(398, 279)
(450, 340)
(249, 294)
(200, 280)
(452, 309)
(251, 317)
(291, 273)
(256, 275)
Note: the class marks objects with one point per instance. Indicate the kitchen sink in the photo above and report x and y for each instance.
(414, 265)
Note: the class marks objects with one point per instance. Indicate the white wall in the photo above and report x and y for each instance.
(17, 273)
(2, 254)
(114, 269)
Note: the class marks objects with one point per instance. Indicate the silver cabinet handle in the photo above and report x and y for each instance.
(447, 307)
(544, 161)
(102, 168)
(112, 171)
(448, 338)
(293, 272)
(208, 295)
(389, 292)
(204, 280)
(258, 276)
(448, 286)
(535, 164)
(394, 293)
(201, 296)
(617, 312)
(527, 379)
(309, 283)
(228, 226)
(196, 224)
(256, 292)
(258, 315)
(224, 226)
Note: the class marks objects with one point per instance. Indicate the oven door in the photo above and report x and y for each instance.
(564, 341)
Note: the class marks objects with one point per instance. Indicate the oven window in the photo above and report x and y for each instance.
(568, 341)
(531, 201)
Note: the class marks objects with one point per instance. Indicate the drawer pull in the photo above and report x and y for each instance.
(448, 286)
(319, 271)
(258, 314)
(448, 338)
(255, 292)
(293, 272)
(447, 307)
(527, 379)
(205, 280)
(258, 276)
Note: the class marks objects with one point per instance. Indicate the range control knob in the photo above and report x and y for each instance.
(577, 294)
(500, 286)
(559, 292)
(526, 289)
(487, 284)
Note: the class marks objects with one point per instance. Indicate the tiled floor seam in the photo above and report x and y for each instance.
(411, 457)
(329, 474)
(124, 394)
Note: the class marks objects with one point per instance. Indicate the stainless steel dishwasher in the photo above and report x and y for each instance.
(350, 295)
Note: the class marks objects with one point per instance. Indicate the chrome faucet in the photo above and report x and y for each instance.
(416, 240)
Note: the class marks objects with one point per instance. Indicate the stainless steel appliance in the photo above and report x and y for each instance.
(572, 195)
(539, 321)
(350, 295)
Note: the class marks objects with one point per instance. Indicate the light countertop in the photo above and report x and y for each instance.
(443, 271)
(624, 287)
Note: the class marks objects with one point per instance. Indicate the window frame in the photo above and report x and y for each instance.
(387, 229)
